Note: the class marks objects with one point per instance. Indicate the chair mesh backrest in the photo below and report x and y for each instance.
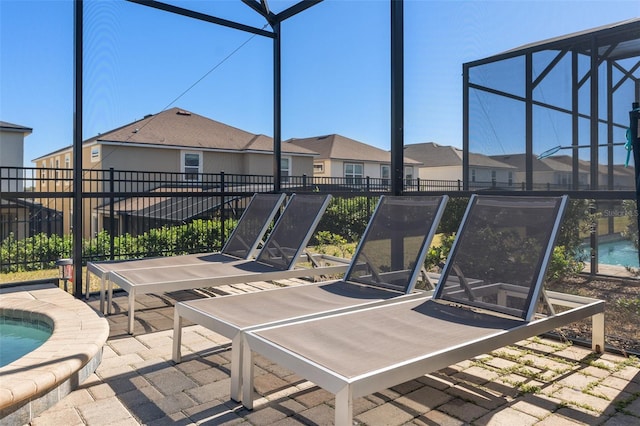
(292, 231)
(394, 245)
(252, 225)
(501, 253)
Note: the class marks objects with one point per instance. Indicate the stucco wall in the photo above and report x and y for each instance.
(11, 149)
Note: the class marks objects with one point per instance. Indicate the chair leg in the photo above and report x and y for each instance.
(236, 367)
(86, 285)
(109, 296)
(597, 332)
(132, 304)
(102, 294)
(247, 376)
(344, 407)
(177, 337)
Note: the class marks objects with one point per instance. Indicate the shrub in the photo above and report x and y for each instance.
(562, 264)
(347, 217)
(333, 245)
(437, 255)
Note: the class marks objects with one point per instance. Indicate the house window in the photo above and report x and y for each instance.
(408, 176)
(67, 165)
(565, 179)
(318, 168)
(43, 173)
(285, 169)
(510, 178)
(57, 171)
(95, 154)
(473, 175)
(385, 174)
(353, 173)
(191, 165)
(385, 171)
(493, 176)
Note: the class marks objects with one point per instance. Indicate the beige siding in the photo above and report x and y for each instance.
(372, 170)
(302, 166)
(441, 173)
(228, 162)
(140, 159)
(258, 164)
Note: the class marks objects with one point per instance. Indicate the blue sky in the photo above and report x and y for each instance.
(335, 63)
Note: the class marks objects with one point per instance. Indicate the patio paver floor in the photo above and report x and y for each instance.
(538, 381)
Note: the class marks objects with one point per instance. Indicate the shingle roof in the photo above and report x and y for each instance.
(432, 154)
(342, 148)
(4, 125)
(565, 162)
(177, 127)
(518, 161)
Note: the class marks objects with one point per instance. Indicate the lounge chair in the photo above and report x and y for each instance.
(505, 243)
(277, 259)
(386, 266)
(241, 244)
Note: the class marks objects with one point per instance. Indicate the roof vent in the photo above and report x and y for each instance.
(147, 116)
(136, 130)
(182, 112)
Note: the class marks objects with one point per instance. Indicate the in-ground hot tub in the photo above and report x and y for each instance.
(42, 377)
(19, 336)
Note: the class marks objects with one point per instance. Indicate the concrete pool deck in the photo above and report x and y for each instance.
(534, 382)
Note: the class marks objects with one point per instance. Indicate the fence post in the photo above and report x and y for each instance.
(368, 180)
(111, 214)
(304, 182)
(223, 214)
(459, 185)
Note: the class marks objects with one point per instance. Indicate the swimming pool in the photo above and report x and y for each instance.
(18, 337)
(621, 253)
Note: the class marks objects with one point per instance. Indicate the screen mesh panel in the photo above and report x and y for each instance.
(252, 225)
(392, 250)
(500, 254)
(293, 230)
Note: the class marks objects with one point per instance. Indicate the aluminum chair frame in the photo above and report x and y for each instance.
(214, 313)
(102, 269)
(442, 334)
(165, 279)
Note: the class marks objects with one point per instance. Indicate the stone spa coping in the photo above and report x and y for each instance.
(41, 378)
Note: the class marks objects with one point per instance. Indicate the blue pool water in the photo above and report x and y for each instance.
(18, 338)
(622, 253)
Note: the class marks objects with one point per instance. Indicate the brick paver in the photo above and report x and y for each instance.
(535, 382)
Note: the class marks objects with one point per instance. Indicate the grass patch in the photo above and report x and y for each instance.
(16, 277)
(525, 388)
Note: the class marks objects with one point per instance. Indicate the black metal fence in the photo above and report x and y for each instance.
(129, 214)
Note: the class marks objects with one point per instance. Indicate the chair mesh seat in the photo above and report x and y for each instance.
(497, 260)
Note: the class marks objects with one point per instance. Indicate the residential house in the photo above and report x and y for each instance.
(556, 172)
(175, 141)
(444, 162)
(351, 160)
(19, 216)
(12, 155)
